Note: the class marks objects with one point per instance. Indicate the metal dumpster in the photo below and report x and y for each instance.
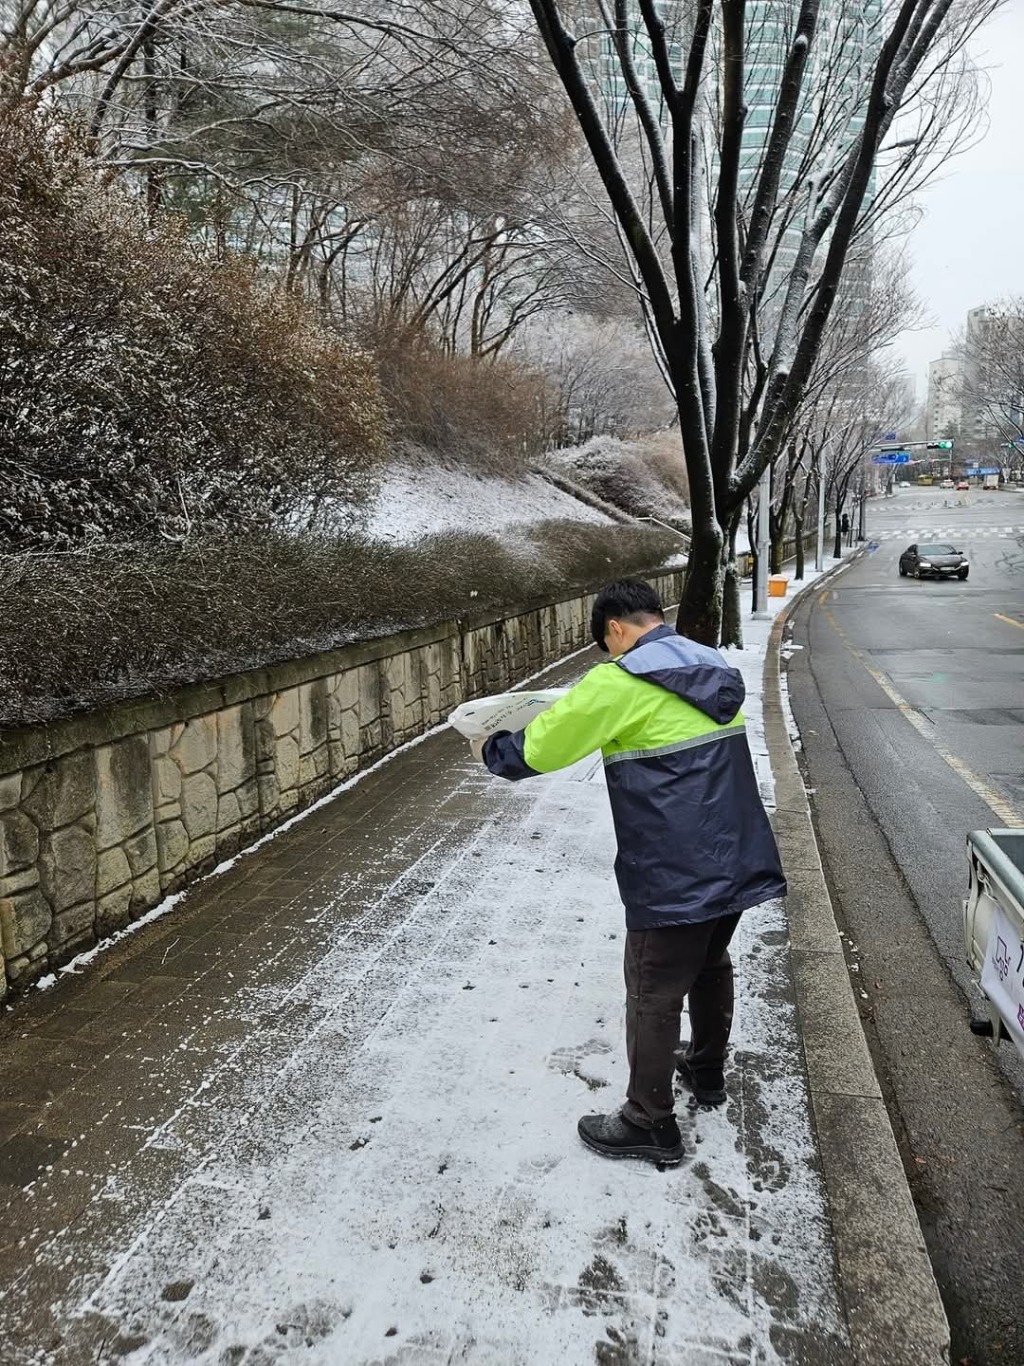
(994, 926)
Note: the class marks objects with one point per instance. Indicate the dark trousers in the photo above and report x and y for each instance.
(662, 967)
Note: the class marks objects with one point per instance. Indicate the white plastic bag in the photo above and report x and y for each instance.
(505, 711)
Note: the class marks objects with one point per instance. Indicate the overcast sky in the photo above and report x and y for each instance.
(969, 247)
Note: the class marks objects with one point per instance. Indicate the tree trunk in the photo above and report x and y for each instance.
(732, 614)
(780, 523)
(700, 609)
(778, 545)
(732, 611)
(798, 532)
(837, 549)
(154, 191)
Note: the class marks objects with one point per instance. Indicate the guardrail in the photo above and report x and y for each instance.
(745, 559)
(668, 527)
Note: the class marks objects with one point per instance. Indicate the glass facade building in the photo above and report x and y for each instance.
(829, 119)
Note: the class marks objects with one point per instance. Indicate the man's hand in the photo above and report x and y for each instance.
(477, 746)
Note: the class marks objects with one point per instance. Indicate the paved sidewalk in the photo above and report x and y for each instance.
(324, 1111)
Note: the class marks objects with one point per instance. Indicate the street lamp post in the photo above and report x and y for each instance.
(763, 540)
(863, 500)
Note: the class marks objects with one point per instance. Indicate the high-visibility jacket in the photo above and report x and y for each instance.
(694, 841)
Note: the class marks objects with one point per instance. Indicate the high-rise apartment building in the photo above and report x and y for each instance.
(967, 387)
(990, 408)
(831, 114)
(836, 85)
(829, 119)
(943, 410)
(612, 83)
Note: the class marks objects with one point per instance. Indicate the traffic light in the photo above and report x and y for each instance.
(939, 445)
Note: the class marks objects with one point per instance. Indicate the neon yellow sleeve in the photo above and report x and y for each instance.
(587, 718)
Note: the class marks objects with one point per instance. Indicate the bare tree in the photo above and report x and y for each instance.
(739, 244)
(991, 387)
(850, 381)
(606, 380)
(394, 161)
(839, 429)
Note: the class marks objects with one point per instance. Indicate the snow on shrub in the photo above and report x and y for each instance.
(488, 415)
(644, 478)
(146, 388)
(136, 621)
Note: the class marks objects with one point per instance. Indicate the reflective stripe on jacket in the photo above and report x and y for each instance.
(693, 837)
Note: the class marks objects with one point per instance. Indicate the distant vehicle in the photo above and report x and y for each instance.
(935, 560)
(925, 479)
(991, 481)
(946, 484)
(963, 486)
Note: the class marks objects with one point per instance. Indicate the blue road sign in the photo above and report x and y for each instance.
(892, 458)
(990, 469)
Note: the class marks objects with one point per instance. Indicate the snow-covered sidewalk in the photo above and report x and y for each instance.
(350, 1136)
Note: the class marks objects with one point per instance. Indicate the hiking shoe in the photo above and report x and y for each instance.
(703, 1095)
(614, 1136)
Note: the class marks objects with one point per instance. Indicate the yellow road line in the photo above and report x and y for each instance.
(1010, 621)
(1006, 812)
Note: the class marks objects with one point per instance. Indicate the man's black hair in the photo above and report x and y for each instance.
(625, 600)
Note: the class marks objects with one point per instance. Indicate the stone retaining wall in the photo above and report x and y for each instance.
(103, 815)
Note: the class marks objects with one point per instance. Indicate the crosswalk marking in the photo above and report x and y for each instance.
(954, 534)
(974, 499)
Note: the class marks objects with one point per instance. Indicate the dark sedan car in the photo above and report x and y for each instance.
(937, 559)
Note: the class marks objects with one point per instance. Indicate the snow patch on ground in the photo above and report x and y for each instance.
(418, 500)
(407, 1185)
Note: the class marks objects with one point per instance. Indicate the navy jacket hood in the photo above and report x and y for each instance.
(696, 673)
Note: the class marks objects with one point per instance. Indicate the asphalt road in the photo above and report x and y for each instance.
(909, 697)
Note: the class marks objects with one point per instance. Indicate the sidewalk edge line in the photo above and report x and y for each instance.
(887, 1282)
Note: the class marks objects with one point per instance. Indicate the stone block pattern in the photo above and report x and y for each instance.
(98, 834)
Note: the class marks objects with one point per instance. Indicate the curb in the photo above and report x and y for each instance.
(886, 1281)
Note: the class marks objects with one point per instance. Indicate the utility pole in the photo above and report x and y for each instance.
(863, 501)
